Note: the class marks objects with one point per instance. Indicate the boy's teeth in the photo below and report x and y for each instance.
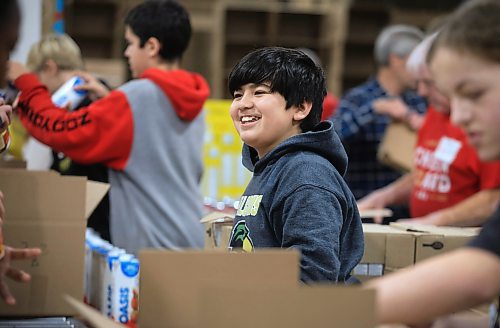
(248, 119)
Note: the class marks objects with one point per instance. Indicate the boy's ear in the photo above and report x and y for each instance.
(153, 46)
(302, 111)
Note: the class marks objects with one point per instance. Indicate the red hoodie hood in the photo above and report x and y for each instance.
(187, 91)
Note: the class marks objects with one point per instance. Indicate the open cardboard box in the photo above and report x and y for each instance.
(46, 210)
(218, 226)
(218, 289)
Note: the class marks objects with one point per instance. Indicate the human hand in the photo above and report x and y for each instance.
(6, 270)
(5, 114)
(430, 219)
(15, 70)
(95, 88)
(374, 200)
(415, 120)
(393, 107)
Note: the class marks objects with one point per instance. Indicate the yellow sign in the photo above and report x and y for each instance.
(224, 175)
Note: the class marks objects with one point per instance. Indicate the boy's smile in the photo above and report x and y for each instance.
(248, 119)
(261, 118)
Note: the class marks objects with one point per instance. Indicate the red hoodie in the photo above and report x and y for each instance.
(103, 131)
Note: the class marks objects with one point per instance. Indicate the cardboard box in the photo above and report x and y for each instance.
(402, 244)
(398, 146)
(49, 211)
(218, 227)
(386, 245)
(306, 306)
(216, 289)
(170, 282)
(432, 240)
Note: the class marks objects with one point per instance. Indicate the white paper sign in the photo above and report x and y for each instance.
(447, 149)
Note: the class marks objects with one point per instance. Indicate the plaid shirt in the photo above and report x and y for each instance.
(361, 130)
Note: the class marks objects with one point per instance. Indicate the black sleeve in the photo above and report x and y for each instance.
(489, 238)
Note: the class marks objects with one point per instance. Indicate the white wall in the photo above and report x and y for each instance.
(31, 28)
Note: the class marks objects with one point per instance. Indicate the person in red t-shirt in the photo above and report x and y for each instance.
(329, 105)
(449, 184)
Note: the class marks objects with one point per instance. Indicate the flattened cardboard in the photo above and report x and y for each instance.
(95, 192)
(172, 281)
(397, 146)
(48, 211)
(306, 306)
(12, 164)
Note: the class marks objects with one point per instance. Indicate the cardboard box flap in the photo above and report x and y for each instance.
(383, 212)
(432, 240)
(95, 192)
(214, 216)
(46, 210)
(91, 315)
(436, 230)
(380, 229)
(171, 281)
(307, 306)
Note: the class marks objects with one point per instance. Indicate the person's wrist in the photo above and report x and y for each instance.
(388, 195)
(408, 116)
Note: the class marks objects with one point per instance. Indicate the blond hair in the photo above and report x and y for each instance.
(60, 48)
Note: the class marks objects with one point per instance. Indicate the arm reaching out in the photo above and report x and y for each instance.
(396, 193)
(6, 270)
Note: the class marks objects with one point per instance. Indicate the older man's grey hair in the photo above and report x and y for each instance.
(399, 40)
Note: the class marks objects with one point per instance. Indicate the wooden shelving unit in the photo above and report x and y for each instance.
(234, 27)
(342, 32)
(366, 19)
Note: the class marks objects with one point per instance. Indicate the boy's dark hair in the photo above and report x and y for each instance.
(290, 72)
(165, 20)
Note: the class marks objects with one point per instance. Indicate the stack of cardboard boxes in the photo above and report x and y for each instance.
(389, 248)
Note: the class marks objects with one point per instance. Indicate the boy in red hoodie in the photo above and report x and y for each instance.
(148, 132)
